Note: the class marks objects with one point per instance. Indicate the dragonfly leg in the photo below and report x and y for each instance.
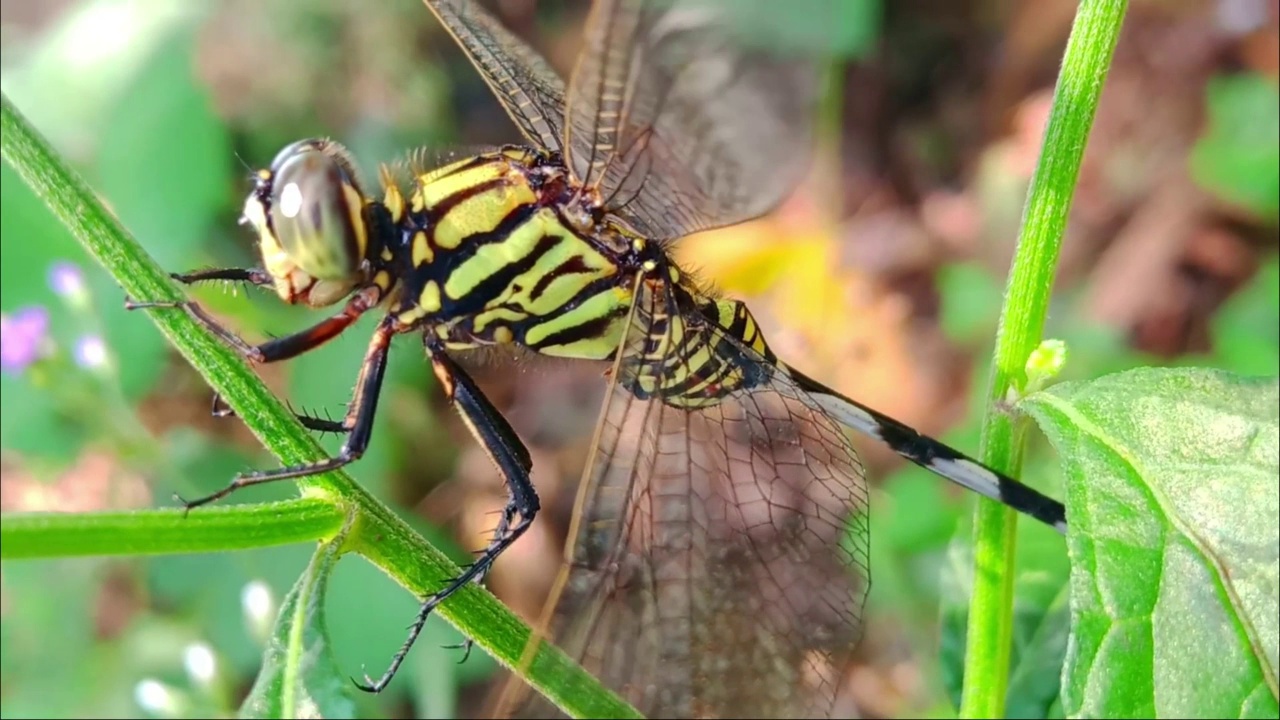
(311, 422)
(285, 347)
(279, 348)
(264, 352)
(499, 531)
(253, 276)
(512, 458)
(359, 419)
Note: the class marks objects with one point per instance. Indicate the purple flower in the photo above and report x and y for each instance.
(22, 337)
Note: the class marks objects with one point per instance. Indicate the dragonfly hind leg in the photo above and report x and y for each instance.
(502, 444)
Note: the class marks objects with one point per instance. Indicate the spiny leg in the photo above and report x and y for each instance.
(508, 513)
(311, 422)
(360, 419)
(253, 354)
(504, 524)
(253, 276)
(513, 461)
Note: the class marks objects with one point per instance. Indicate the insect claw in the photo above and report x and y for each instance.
(368, 685)
(465, 646)
(186, 506)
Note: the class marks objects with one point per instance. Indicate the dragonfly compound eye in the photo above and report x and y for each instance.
(315, 210)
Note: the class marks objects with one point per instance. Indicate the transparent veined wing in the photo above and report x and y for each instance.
(530, 91)
(689, 114)
(716, 562)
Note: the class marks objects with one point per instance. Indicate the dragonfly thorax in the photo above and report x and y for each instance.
(501, 250)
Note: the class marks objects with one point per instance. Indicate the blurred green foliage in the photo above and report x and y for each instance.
(1238, 158)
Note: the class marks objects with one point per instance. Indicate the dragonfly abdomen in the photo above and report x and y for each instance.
(707, 362)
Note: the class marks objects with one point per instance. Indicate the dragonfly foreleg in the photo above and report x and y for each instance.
(273, 350)
(286, 347)
(502, 444)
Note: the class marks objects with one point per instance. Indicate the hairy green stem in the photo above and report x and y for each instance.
(157, 532)
(1075, 101)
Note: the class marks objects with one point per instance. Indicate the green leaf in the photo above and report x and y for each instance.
(300, 677)
(135, 103)
(970, 301)
(57, 624)
(210, 587)
(34, 240)
(80, 64)
(1172, 489)
(844, 30)
(1238, 159)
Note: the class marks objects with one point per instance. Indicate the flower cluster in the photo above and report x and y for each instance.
(24, 334)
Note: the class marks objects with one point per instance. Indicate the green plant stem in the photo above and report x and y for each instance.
(156, 532)
(379, 534)
(1075, 101)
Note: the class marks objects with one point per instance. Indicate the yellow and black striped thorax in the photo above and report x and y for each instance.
(494, 250)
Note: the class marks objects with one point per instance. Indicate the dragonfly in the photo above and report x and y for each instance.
(717, 561)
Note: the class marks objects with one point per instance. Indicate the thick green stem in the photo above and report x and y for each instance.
(156, 532)
(1075, 101)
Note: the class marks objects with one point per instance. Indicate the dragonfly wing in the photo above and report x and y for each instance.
(687, 115)
(530, 91)
(714, 564)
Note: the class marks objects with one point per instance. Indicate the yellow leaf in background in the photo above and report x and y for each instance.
(809, 296)
(740, 260)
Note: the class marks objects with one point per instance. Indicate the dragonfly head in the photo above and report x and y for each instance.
(308, 211)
